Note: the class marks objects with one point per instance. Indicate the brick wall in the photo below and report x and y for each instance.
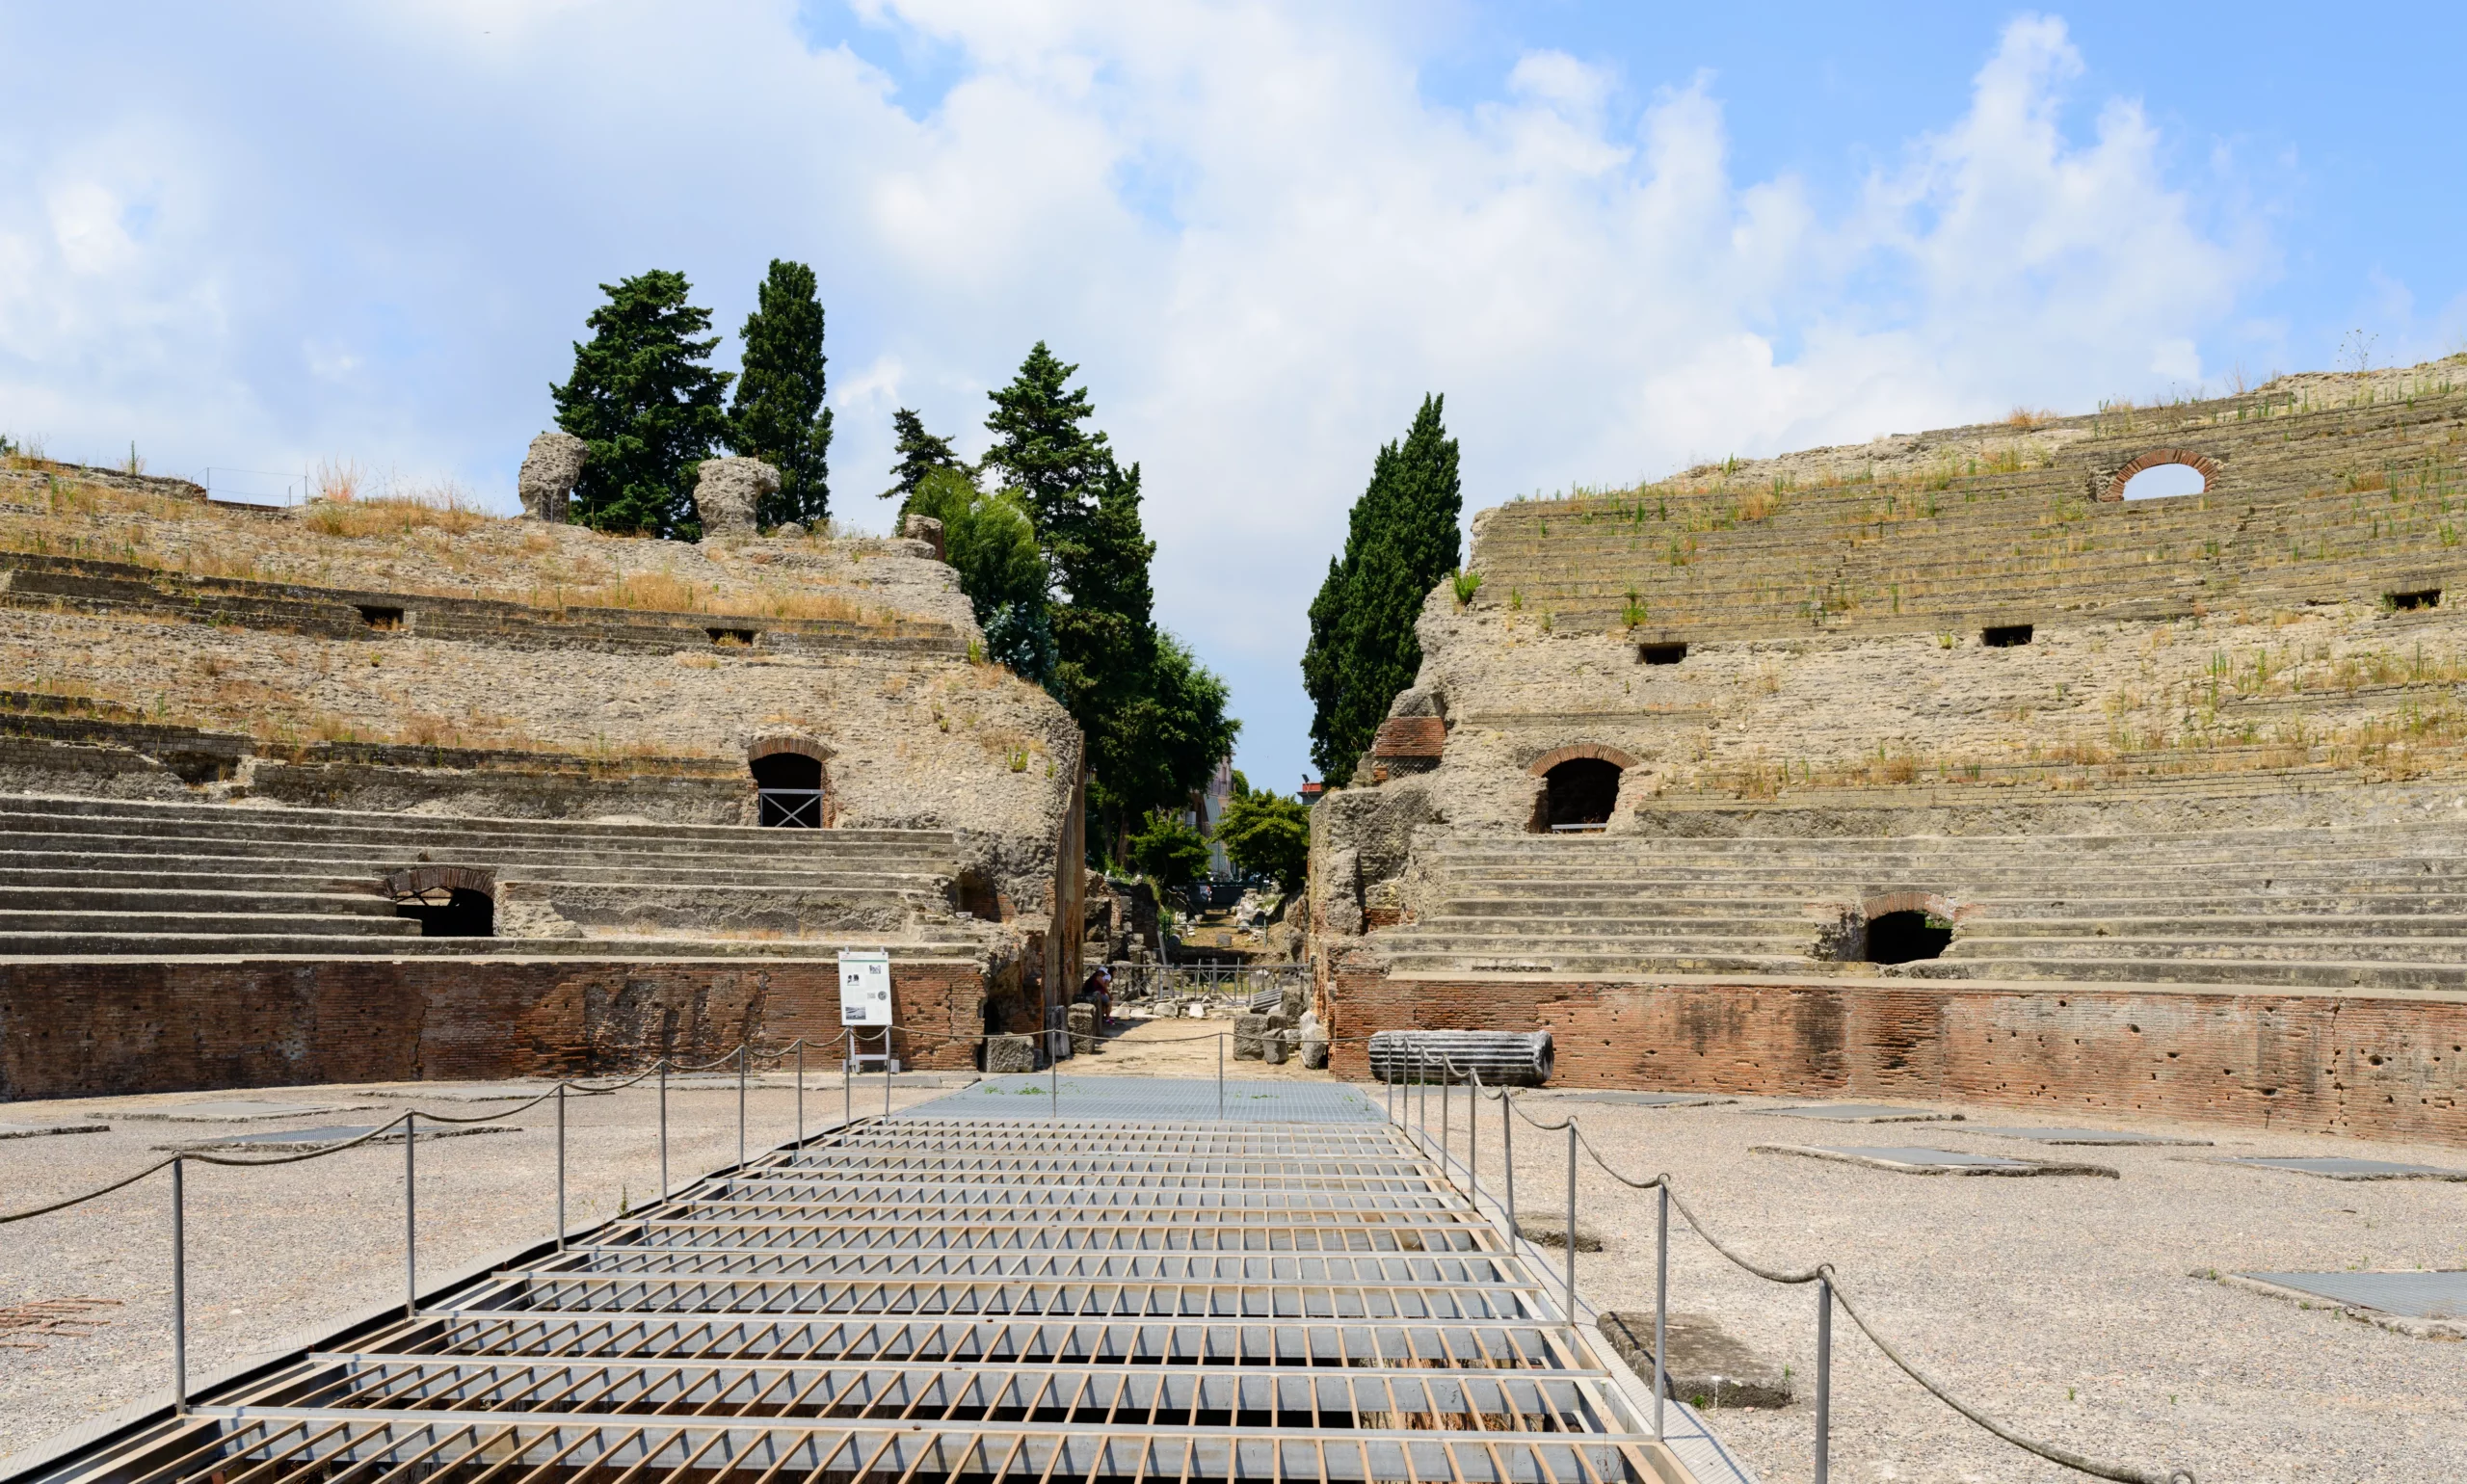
(71, 1029)
(2317, 1062)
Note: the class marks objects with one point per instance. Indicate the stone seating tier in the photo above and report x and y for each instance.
(2285, 524)
(2374, 906)
(83, 877)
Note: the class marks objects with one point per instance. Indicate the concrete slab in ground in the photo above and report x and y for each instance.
(1904, 1159)
(2340, 1167)
(37, 1130)
(1550, 1229)
(2077, 1135)
(2429, 1305)
(298, 1140)
(239, 1110)
(465, 1092)
(1862, 1113)
(1709, 1365)
(1644, 1099)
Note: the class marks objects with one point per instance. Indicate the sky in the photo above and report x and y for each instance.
(1618, 238)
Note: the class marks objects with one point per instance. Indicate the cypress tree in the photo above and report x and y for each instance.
(644, 396)
(1401, 541)
(778, 415)
(920, 453)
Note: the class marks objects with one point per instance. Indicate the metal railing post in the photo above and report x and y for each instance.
(1571, 1232)
(886, 1071)
(1474, 1136)
(180, 1289)
(741, 1104)
(1507, 1163)
(801, 1092)
(1661, 1301)
(560, 1165)
(1446, 1101)
(410, 1215)
(848, 1083)
(1823, 1380)
(1053, 1085)
(1220, 1076)
(663, 1130)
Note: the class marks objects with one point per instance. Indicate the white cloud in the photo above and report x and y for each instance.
(1247, 221)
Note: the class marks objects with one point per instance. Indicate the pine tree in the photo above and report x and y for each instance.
(920, 453)
(644, 396)
(1401, 540)
(1153, 717)
(778, 415)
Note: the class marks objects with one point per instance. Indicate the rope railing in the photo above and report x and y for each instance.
(1823, 1275)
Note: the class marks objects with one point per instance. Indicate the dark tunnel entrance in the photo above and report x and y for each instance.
(1581, 794)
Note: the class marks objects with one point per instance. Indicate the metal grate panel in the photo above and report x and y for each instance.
(974, 1299)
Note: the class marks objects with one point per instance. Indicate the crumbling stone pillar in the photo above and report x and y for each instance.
(1010, 1053)
(1250, 1037)
(727, 494)
(551, 469)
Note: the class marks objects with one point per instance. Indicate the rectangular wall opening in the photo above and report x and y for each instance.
(1662, 653)
(2407, 602)
(2004, 636)
(387, 620)
(731, 636)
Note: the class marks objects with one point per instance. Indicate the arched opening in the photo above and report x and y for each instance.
(1902, 936)
(450, 912)
(2160, 480)
(1579, 794)
(788, 791)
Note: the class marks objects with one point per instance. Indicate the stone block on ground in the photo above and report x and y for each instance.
(549, 472)
(727, 494)
(1550, 1229)
(1086, 1034)
(1275, 1045)
(1010, 1053)
(1250, 1037)
(1708, 1365)
(1315, 1049)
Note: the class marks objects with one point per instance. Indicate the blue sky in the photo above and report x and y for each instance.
(1619, 238)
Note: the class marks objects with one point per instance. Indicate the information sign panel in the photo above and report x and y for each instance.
(865, 987)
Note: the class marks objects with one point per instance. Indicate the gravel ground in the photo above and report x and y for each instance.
(1181, 1048)
(2062, 1305)
(277, 1253)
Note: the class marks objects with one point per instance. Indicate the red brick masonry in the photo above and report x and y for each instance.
(2372, 1065)
(82, 1028)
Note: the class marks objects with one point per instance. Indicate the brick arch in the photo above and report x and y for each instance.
(418, 880)
(1933, 903)
(770, 744)
(1574, 749)
(2207, 466)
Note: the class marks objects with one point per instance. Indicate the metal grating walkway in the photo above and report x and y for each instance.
(966, 1296)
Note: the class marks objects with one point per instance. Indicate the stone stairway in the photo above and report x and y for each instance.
(2379, 906)
(84, 877)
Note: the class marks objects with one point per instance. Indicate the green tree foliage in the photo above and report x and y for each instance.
(1154, 719)
(1266, 834)
(992, 545)
(644, 396)
(1401, 542)
(920, 453)
(778, 415)
(1169, 850)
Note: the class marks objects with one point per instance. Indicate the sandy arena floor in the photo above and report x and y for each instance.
(2063, 1304)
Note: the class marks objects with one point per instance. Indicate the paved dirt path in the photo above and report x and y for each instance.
(1181, 1048)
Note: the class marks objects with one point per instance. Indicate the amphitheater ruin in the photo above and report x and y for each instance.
(385, 790)
(1944, 766)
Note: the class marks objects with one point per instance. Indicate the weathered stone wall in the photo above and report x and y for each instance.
(113, 1026)
(2318, 1062)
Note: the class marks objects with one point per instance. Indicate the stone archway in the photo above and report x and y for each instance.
(791, 779)
(2201, 463)
(448, 901)
(1580, 786)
